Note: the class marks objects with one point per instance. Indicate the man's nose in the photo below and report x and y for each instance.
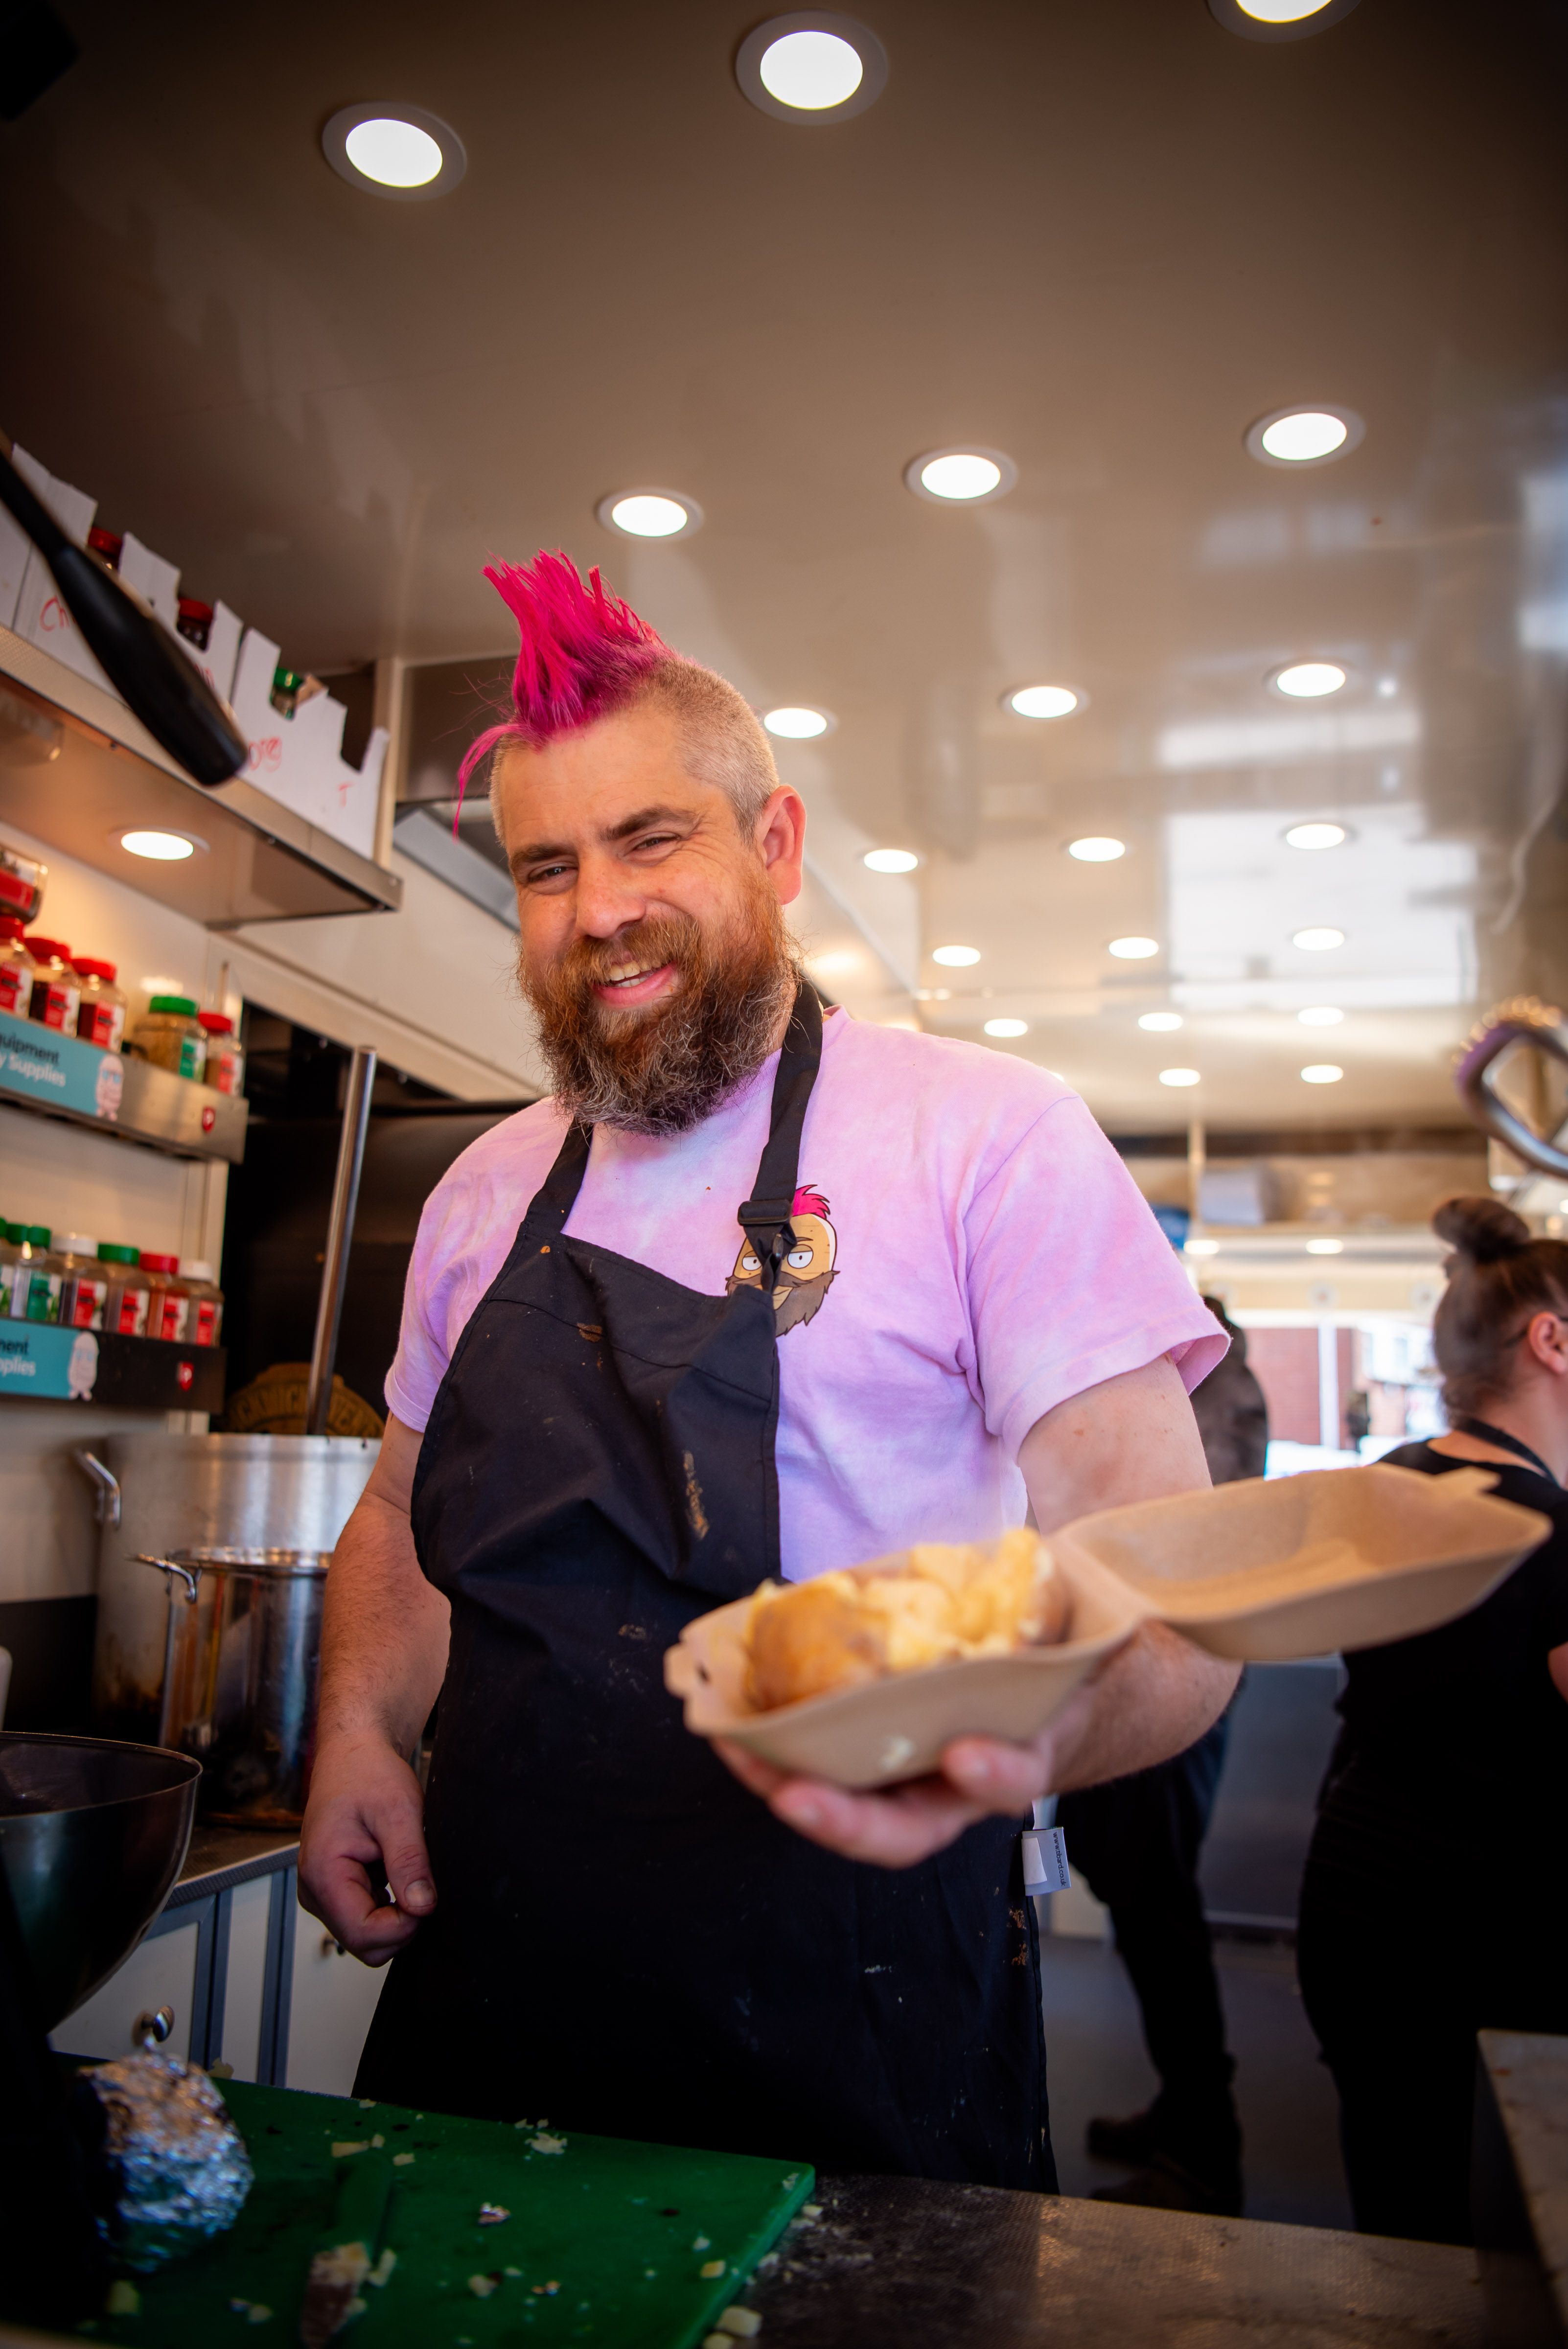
(608, 899)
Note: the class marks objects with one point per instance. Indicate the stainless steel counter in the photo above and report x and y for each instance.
(931, 2266)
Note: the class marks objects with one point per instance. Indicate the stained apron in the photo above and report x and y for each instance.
(626, 1941)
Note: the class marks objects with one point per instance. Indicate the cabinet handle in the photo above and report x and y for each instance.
(152, 2030)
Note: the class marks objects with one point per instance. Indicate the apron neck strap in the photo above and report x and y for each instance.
(765, 1216)
(1468, 1426)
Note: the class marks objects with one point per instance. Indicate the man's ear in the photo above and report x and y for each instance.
(780, 838)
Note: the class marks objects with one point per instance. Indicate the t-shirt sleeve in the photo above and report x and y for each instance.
(1070, 1280)
(419, 1363)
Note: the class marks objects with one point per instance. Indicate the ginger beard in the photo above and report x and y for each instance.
(661, 1068)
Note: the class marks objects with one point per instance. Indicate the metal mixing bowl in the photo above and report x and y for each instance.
(92, 1837)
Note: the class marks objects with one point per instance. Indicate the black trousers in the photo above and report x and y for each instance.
(1136, 1842)
(1400, 1967)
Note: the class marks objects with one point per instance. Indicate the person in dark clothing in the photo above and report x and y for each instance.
(1453, 1759)
(1136, 1843)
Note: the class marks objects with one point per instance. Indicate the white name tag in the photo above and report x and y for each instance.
(1045, 1866)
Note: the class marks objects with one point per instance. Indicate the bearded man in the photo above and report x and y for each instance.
(605, 1421)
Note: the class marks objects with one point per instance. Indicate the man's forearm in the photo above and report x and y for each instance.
(385, 1632)
(1154, 1699)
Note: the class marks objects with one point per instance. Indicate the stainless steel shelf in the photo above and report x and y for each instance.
(130, 1100)
(77, 770)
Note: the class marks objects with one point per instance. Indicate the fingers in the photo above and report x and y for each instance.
(337, 1889)
(899, 1825)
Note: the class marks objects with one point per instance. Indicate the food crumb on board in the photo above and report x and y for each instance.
(124, 2300)
(702, 2242)
(376, 2142)
(793, 2180)
(367, 2104)
(811, 2210)
(768, 2260)
(382, 2271)
(543, 2144)
(401, 2161)
(650, 2273)
(343, 2145)
(482, 2286)
(710, 2268)
(491, 2214)
(739, 2323)
(512, 2271)
(546, 2290)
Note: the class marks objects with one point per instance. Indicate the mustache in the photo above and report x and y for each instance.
(658, 939)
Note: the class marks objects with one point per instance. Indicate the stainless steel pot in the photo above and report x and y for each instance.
(158, 1493)
(242, 1664)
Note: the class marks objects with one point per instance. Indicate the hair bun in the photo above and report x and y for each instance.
(1483, 1229)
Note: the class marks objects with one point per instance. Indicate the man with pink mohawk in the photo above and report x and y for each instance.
(643, 1365)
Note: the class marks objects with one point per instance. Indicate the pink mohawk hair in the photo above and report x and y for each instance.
(807, 1202)
(582, 653)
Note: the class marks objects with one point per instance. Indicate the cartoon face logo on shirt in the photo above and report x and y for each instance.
(806, 1273)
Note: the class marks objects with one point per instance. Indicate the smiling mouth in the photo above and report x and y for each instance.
(638, 983)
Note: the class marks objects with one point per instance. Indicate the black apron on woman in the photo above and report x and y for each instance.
(625, 1941)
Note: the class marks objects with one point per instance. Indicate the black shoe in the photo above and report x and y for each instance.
(1166, 2186)
(1130, 2140)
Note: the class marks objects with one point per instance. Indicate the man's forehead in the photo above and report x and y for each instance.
(597, 784)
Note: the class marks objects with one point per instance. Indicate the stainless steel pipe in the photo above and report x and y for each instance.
(339, 1232)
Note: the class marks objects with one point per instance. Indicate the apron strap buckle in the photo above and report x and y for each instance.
(766, 1225)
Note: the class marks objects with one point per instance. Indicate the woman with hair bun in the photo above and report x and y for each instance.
(1435, 1896)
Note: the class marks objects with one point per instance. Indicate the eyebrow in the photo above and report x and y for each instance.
(540, 852)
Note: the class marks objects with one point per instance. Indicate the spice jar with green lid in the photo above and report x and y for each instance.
(171, 1037)
(130, 1295)
(35, 1275)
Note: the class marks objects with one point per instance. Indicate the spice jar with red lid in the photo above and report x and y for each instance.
(170, 1304)
(225, 1053)
(56, 989)
(106, 545)
(101, 1015)
(195, 621)
(18, 969)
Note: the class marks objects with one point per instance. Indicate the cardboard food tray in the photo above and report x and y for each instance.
(1261, 1572)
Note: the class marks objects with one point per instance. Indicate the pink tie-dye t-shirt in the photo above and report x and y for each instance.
(980, 1254)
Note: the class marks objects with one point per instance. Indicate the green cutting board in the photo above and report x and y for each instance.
(607, 2238)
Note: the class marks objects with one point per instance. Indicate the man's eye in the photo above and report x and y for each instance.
(548, 873)
(798, 1259)
(660, 839)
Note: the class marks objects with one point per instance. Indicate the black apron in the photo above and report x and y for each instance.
(628, 1942)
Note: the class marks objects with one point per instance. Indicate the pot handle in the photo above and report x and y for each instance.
(189, 1576)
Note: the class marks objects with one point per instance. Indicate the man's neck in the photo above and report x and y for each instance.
(1535, 1420)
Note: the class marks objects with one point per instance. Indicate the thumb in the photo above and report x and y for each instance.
(408, 1870)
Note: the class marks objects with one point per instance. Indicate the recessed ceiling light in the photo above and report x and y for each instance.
(960, 476)
(1322, 941)
(1160, 1023)
(160, 847)
(649, 513)
(400, 151)
(1043, 700)
(1133, 950)
(1200, 1248)
(1180, 1077)
(890, 860)
(1308, 681)
(797, 723)
(813, 67)
(1326, 1248)
(1096, 850)
(1320, 1015)
(1295, 437)
(1007, 1027)
(1279, 20)
(1315, 835)
(955, 957)
(1322, 1072)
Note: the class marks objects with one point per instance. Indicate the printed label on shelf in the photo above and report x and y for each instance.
(36, 1359)
(45, 1066)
